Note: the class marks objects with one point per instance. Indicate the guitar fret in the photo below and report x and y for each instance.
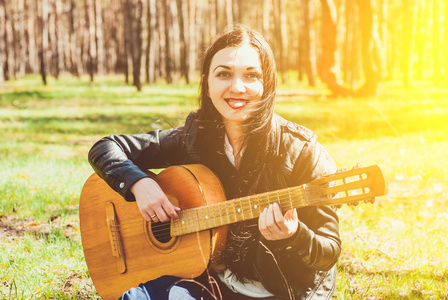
(191, 224)
(250, 207)
(290, 198)
(214, 215)
(231, 216)
(208, 217)
(197, 220)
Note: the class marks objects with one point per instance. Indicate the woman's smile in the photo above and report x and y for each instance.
(237, 103)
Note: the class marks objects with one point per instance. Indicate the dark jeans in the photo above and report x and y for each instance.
(175, 288)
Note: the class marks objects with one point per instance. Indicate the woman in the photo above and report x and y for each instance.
(236, 134)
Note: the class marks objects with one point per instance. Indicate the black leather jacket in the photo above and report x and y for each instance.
(300, 267)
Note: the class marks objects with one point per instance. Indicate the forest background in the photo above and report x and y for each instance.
(369, 77)
(351, 45)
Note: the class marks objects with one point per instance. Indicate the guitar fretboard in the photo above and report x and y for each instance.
(236, 210)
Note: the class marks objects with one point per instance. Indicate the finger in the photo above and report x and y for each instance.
(278, 215)
(154, 217)
(262, 227)
(171, 211)
(161, 214)
(271, 221)
(146, 216)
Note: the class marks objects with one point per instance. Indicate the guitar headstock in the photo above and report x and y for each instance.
(348, 186)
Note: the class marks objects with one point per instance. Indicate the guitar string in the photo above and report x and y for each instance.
(230, 215)
(246, 205)
(160, 229)
(261, 199)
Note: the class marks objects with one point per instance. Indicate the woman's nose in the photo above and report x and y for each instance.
(238, 86)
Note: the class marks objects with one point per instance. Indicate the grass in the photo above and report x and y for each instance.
(393, 249)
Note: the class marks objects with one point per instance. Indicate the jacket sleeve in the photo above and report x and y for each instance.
(316, 243)
(121, 159)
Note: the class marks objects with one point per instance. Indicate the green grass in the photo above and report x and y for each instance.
(393, 249)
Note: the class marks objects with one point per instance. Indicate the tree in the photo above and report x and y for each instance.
(43, 42)
(90, 30)
(330, 70)
(307, 44)
(167, 26)
(3, 48)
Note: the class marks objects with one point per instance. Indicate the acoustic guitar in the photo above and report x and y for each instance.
(122, 250)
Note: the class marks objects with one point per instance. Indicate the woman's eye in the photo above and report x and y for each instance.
(223, 74)
(254, 75)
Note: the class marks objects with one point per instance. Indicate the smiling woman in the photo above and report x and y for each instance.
(235, 88)
(236, 82)
(236, 134)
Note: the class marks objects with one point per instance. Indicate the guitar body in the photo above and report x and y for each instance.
(122, 250)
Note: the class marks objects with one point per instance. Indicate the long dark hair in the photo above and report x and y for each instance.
(257, 130)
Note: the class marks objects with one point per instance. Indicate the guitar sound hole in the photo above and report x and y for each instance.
(161, 231)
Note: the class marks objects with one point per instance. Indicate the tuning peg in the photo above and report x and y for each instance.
(371, 200)
(335, 207)
(341, 170)
(357, 166)
(353, 203)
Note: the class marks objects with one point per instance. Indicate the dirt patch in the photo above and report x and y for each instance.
(11, 227)
(79, 286)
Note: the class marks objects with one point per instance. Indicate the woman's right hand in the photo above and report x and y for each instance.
(152, 201)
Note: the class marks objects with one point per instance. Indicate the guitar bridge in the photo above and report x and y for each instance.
(115, 238)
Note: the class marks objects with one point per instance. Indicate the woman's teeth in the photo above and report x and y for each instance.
(237, 103)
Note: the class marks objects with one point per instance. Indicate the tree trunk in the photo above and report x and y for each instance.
(160, 49)
(151, 46)
(58, 42)
(183, 15)
(99, 37)
(3, 56)
(168, 25)
(135, 12)
(307, 47)
(30, 38)
(9, 44)
(283, 35)
(75, 51)
(192, 36)
(236, 11)
(229, 12)
(330, 70)
(370, 42)
(127, 33)
(19, 38)
(43, 49)
(213, 18)
(90, 29)
(267, 10)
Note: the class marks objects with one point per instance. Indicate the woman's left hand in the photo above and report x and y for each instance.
(273, 225)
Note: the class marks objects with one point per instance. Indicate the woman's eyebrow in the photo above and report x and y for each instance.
(229, 68)
(222, 66)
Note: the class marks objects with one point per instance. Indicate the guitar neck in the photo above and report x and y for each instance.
(236, 210)
(352, 186)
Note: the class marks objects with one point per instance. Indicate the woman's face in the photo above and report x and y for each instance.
(235, 82)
